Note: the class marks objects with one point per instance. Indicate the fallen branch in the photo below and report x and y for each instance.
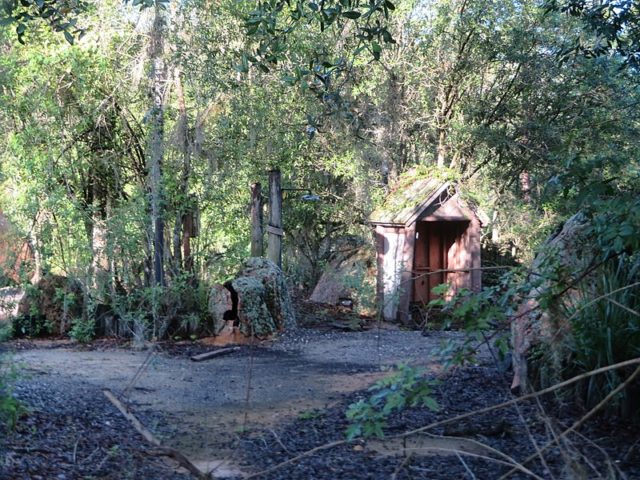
(401, 466)
(214, 353)
(308, 453)
(150, 437)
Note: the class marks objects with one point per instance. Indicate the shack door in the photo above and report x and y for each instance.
(433, 246)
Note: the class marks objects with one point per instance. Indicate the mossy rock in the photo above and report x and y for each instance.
(49, 307)
(276, 292)
(257, 300)
(253, 315)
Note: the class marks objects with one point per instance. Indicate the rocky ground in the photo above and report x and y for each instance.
(245, 412)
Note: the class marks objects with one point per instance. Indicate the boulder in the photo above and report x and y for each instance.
(257, 300)
(350, 278)
(254, 317)
(220, 303)
(10, 298)
(276, 293)
(539, 324)
(16, 255)
(49, 307)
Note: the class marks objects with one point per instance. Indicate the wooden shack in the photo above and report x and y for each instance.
(426, 235)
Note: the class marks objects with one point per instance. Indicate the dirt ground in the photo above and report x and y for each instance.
(200, 408)
(246, 411)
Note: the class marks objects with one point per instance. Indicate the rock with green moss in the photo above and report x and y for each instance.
(276, 295)
(257, 300)
(253, 315)
(220, 302)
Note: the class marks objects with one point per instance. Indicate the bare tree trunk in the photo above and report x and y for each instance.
(181, 237)
(256, 220)
(441, 148)
(156, 144)
(156, 156)
(37, 251)
(525, 186)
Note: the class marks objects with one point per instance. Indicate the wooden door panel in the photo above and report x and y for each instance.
(433, 243)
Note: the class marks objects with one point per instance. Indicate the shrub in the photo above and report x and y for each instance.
(604, 315)
(83, 331)
(9, 406)
(407, 387)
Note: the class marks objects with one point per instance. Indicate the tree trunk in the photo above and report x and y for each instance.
(525, 186)
(156, 144)
(181, 236)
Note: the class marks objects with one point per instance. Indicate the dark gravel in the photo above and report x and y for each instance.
(71, 431)
(466, 390)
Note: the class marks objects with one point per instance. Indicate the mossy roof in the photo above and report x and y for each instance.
(408, 199)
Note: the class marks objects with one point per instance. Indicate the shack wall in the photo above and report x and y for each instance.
(391, 266)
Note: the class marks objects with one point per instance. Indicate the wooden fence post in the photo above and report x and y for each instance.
(274, 229)
(256, 220)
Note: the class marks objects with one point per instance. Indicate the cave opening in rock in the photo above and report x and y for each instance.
(233, 313)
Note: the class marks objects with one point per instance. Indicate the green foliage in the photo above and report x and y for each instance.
(483, 317)
(311, 414)
(6, 332)
(59, 15)
(31, 326)
(615, 28)
(10, 408)
(604, 314)
(407, 387)
(271, 24)
(82, 331)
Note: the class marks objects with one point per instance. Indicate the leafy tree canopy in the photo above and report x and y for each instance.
(616, 24)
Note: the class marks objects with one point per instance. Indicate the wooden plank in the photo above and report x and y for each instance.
(275, 230)
(257, 246)
(214, 353)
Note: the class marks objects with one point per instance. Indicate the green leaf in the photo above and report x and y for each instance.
(376, 49)
(68, 37)
(353, 431)
(431, 404)
(389, 5)
(353, 15)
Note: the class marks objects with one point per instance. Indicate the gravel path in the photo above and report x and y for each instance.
(252, 409)
(201, 408)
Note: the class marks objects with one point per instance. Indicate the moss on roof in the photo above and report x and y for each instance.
(406, 200)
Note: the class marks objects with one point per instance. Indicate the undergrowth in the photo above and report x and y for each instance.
(604, 314)
(406, 387)
(9, 406)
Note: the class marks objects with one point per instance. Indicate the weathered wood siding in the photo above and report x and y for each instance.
(391, 264)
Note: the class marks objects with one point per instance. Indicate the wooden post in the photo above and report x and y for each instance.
(274, 229)
(256, 220)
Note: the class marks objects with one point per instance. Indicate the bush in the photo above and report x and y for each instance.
(604, 315)
(408, 387)
(9, 406)
(82, 331)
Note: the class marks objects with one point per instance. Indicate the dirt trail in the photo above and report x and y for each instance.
(199, 408)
